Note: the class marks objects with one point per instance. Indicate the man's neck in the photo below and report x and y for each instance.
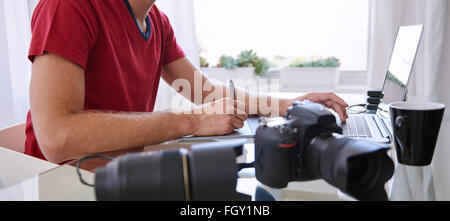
(141, 8)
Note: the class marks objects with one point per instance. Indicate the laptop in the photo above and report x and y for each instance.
(377, 126)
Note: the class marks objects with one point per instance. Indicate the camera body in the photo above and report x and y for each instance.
(306, 145)
(285, 142)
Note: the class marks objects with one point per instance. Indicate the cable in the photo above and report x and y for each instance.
(245, 165)
(365, 109)
(89, 158)
(357, 105)
(385, 112)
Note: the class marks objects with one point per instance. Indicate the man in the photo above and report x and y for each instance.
(96, 70)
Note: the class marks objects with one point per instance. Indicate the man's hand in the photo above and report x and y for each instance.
(329, 100)
(219, 118)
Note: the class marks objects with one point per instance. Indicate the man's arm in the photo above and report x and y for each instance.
(184, 69)
(65, 131)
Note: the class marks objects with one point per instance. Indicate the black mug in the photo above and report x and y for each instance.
(416, 128)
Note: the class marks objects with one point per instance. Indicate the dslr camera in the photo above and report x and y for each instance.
(306, 145)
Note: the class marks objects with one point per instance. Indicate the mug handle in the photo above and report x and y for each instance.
(402, 121)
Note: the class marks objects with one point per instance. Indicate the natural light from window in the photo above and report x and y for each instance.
(285, 29)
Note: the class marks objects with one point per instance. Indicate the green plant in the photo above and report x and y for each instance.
(262, 66)
(203, 62)
(326, 62)
(227, 62)
(246, 58)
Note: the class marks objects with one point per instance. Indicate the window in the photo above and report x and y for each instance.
(285, 28)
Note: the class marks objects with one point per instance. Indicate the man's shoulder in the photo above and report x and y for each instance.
(68, 7)
(161, 17)
(156, 11)
(67, 3)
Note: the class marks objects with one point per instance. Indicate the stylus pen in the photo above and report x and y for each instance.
(232, 90)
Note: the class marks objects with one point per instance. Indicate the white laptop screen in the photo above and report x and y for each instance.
(402, 62)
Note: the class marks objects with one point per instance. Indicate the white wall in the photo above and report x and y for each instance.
(6, 96)
(181, 15)
(15, 69)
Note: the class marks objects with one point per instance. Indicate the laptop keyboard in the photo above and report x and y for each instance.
(356, 127)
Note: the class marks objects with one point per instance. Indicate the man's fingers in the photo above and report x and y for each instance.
(333, 97)
(242, 117)
(237, 123)
(338, 105)
(340, 110)
(330, 100)
(323, 98)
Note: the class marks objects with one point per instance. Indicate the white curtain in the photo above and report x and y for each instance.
(431, 76)
(15, 69)
(181, 15)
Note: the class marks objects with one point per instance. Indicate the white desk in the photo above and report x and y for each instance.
(15, 167)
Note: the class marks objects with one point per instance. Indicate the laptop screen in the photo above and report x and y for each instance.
(401, 65)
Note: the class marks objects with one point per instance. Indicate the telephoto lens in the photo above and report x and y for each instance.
(143, 176)
(358, 168)
(208, 172)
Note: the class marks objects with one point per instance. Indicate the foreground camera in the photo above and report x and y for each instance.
(208, 172)
(306, 145)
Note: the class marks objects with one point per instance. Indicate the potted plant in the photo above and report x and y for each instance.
(318, 74)
(247, 65)
(203, 62)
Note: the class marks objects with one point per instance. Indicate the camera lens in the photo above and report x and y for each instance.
(208, 172)
(359, 167)
(363, 171)
(147, 176)
(356, 167)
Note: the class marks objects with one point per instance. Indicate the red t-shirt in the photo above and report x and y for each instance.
(122, 68)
